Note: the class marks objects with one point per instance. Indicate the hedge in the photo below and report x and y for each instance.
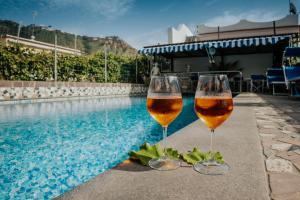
(20, 63)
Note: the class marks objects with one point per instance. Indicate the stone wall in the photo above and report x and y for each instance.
(17, 90)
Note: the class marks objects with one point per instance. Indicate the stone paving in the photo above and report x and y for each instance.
(278, 122)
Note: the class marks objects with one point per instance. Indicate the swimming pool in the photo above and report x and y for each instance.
(49, 148)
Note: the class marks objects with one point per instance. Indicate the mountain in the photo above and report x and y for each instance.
(89, 45)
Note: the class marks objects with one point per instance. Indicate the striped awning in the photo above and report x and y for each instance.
(196, 46)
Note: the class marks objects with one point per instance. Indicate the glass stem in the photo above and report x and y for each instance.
(164, 141)
(211, 140)
(212, 159)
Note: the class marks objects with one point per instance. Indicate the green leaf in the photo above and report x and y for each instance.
(172, 153)
(193, 157)
(148, 152)
(196, 156)
(218, 157)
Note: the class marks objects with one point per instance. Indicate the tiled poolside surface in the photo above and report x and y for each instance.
(257, 121)
(278, 121)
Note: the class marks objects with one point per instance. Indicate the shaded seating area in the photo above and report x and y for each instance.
(247, 57)
(275, 80)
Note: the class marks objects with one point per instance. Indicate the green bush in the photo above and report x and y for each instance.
(19, 63)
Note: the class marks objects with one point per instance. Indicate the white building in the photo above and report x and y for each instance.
(37, 45)
(179, 34)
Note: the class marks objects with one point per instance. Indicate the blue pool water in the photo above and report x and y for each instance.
(49, 148)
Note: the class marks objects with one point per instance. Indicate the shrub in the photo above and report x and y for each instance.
(20, 63)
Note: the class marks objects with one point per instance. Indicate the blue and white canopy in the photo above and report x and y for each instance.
(196, 46)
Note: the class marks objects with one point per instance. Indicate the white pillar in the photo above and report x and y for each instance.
(19, 30)
(136, 69)
(105, 62)
(55, 59)
(75, 42)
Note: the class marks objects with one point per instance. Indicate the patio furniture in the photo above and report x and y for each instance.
(235, 77)
(292, 75)
(257, 83)
(291, 72)
(275, 78)
(186, 84)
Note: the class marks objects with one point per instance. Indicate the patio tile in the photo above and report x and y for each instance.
(296, 163)
(268, 152)
(295, 149)
(281, 146)
(267, 142)
(289, 132)
(292, 128)
(269, 126)
(269, 131)
(264, 121)
(291, 156)
(288, 155)
(279, 165)
(285, 184)
(263, 135)
(290, 196)
(290, 140)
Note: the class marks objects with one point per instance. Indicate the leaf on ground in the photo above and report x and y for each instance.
(218, 157)
(172, 153)
(196, 156)
(148, 152)
(193, 157)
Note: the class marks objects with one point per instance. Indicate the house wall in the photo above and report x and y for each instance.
(197, 64)
(245, 33)
(250, 63)
(287, 21)
(245, 28)
(38, 46)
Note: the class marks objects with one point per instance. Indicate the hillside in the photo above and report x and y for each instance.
(86, 44)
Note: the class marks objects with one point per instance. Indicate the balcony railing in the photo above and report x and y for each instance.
(189, 80)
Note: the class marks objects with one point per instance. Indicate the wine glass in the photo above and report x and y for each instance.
(164, 103)
(213, 105)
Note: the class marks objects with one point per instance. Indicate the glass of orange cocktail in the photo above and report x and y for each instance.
(164, 103)
(213, 105)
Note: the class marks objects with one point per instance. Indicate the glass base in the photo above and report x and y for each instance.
(164, 164)
(211, 168)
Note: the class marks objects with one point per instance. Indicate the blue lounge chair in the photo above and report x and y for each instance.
(275, 76)
(291, 72)
(257, 83)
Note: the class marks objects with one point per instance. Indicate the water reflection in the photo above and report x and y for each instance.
(40, 109)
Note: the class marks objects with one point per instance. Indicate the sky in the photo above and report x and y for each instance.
(139, 22)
